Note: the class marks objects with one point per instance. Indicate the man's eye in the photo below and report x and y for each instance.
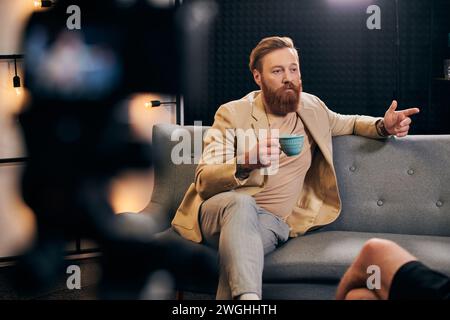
(294, 70)
(276, 71)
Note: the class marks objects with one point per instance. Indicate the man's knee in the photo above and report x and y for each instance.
(375, 247)
(242, 199)
(230, 198)
(361, 294)
(234, 204)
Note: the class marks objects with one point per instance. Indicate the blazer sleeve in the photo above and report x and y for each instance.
(352, 124)
(217, 166)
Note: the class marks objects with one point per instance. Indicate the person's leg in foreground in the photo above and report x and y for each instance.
(385, 254)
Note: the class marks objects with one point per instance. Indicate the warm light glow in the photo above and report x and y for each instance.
(18, 91)
(42, 4)
(17, 228)
(17, 222)
(131, 191)
(143, 116)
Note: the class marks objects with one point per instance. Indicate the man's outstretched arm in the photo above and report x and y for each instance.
(393, 123)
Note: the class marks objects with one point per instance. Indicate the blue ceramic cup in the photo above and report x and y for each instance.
(291, 145)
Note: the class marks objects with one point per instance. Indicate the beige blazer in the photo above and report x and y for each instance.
(318, 203)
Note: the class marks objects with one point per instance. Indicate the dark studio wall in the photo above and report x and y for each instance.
(354, 70)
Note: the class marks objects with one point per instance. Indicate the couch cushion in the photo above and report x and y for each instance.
(324, 256)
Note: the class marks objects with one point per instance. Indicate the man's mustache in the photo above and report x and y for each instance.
(290, 85)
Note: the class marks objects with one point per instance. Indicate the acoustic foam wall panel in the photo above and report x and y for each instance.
(353, 69)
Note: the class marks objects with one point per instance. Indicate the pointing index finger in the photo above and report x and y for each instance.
(410, 111)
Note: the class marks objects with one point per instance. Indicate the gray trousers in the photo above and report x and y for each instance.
(243, 233)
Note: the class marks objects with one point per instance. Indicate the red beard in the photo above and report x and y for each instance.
(282, 101)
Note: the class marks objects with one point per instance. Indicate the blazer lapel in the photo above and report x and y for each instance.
(259, 117)
(311, 122)
(259, 121)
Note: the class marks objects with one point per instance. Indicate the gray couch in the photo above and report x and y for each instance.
(397, 189)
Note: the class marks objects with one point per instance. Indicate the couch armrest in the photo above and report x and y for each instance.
(159, 213)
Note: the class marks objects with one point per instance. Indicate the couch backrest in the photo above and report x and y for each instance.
(393, 185)
(172, 180)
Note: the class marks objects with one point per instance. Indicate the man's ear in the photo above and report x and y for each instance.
(257, 77)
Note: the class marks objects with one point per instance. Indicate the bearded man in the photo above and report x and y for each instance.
(247, 213)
